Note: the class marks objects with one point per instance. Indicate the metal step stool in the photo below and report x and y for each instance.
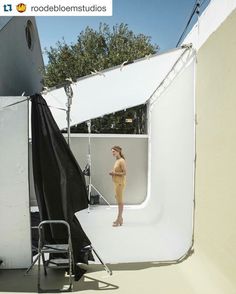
(54, 249)
(58, 262)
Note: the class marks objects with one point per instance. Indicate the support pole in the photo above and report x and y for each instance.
(69, 94)
(90, 185)
(89, 160)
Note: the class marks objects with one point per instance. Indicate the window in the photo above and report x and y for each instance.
(29, 34)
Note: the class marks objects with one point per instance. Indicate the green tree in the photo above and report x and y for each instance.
(95, 50)
(129, 121)
(98, 50)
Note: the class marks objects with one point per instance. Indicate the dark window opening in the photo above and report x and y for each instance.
(129, 121)
(29, 34)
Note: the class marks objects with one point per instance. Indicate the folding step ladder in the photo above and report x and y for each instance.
(54, 249)
(67, 263)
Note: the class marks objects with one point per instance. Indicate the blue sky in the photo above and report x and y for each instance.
(162, 20)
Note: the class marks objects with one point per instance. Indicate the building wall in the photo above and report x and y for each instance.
(21, 67)
(15, 244)
(216, 149)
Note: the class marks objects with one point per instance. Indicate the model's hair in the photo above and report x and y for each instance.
(118, 149)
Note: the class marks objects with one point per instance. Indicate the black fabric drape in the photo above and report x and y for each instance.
(58, 180)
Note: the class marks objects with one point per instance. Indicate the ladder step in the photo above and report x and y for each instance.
(55, 248)
(65, 250)
(58, 263)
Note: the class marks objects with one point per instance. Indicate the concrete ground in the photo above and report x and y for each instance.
(193, 276)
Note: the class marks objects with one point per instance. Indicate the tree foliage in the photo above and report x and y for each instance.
(96, 50)
(128, 121)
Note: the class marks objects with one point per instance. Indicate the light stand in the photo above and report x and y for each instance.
(90, 185)
(69, 94)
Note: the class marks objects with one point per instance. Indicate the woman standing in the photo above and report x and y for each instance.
(118, 176)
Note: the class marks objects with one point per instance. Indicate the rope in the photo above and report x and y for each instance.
(15, 103)
(28, 99)
(204, 2)
(50, 106)
(59, 108)
(97, 72)
(123, 64)
(195, 9)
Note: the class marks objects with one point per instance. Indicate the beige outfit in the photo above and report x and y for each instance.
(119, 181)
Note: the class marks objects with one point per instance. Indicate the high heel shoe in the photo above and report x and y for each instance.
(118, 222)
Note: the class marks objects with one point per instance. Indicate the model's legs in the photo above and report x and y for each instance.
(119, 198)
(120, 212)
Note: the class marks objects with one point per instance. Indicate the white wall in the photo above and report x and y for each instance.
(172, 154)
(15, 238)
(216, 160)
(21, 67)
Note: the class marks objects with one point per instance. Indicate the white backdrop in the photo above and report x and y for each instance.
(15, 244)
(161, 228)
